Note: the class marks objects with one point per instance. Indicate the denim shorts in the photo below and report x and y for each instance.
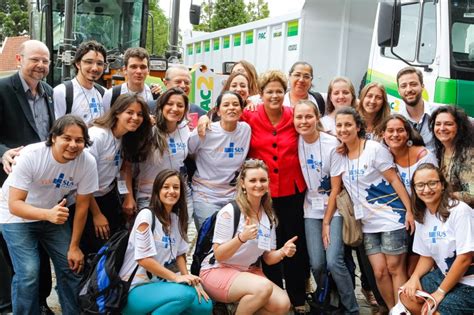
(459, 300)
(389, 243)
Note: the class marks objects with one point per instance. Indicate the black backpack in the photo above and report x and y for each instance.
(70, 94)
(320, 102)
(102, 291)
(205, 236)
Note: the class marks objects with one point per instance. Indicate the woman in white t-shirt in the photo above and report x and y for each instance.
(323, 224)
(380, 201)
(373, 106)
(161, 284)
(444, 238)
(341, 93)
(169, 145)
(232, 272)
(219, 156)
(119, 137)
(408, 150)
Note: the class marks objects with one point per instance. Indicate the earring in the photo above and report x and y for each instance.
(244, 191)
(409, 143)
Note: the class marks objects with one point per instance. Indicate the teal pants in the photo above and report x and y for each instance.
(165, 298)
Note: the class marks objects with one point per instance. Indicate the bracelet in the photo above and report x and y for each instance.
(240, 240)
(282, 254)
(441, 291)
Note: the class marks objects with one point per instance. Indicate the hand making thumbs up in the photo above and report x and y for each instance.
(289, 249)
(250, 231)
(59, 213)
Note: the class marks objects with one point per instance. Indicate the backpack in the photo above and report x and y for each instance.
(320, 102)
(325, 300)
(205, 236)
(101, 290)
(116, 90)
(70, 94)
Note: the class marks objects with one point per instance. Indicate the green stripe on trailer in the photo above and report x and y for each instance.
(465, 97)
(248, 37)
(445, 91)
(191, 88)
(207, 45)
(198, 47)
(227, 42)
(292, 28)
(190, 50)
(216, 43)
(237, 40)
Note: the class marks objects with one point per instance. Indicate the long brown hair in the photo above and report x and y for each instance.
(180, 208)
(447, 200)
(251, 74)
(241, 196)
(384, 111)
(329, 105)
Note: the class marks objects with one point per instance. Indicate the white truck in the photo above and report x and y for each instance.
(334, 36)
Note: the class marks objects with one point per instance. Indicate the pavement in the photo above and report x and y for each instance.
(365, 309)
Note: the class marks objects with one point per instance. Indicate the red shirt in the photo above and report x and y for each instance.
(277, 146)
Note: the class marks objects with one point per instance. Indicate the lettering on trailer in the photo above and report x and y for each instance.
(262, 35)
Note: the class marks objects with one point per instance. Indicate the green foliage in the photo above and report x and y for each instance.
(219, 14)
(13, 18)
(161, 29)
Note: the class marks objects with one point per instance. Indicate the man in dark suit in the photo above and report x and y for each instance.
(26, 115)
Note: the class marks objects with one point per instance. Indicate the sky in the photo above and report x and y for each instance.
(277, 7)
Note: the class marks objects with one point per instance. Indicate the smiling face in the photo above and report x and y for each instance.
(91, 66)
(273, 95)
(346, 128)
(445, 128)
(170, 192)
(255, 182)
(229, 111)
(410, 88)
(34, 61)
(174, 109)
(432, 187)
(240, 86)
(130, 119)
(300, 79)
(69, 145)
(395, 134)
(373, 101)
(305, 120)
(341, 95)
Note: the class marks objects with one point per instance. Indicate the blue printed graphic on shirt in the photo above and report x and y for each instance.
(436, 235)
(61, 182)
(314, 164)
(325, 186)
(383, 193)
(232, 150)
(450, 261)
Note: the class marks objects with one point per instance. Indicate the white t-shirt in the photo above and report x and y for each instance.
(145, 93)
(442, 241)
(106, 151)
(287, 101)
(219, 157)
(46, 180)
(157, 245)
(318, 162)
(383, 211)
(329, 124)
(406, 173)
(173, 158)
(248, 252)
(87, 103)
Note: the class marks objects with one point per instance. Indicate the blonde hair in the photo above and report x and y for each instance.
(329, 105)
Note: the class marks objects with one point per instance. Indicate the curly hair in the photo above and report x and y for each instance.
(85, 47)
(272, 76)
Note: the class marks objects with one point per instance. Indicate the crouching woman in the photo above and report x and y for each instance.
(162, 284)
(232, 273)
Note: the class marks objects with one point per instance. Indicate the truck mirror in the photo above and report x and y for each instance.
(195, 14)
(388, 28)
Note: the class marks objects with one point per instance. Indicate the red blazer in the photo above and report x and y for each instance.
(277, 146)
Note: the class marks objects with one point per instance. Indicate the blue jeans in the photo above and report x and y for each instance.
(203, 210)
(332, 258)
(23, 240)
(165, 298)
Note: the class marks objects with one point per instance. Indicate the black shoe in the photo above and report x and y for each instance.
(45, 310)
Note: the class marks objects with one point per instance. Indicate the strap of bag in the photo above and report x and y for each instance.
(426, 297)
(69, 95)
(115, 93)
(236, 207)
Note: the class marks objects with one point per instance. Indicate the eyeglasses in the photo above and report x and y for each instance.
(299, 76)
(38, 61)
(432, 184)
(89, 62)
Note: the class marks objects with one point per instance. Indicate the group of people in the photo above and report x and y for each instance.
(270, 158)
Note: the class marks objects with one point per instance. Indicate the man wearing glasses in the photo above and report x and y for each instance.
(26, 115)
(82, 96)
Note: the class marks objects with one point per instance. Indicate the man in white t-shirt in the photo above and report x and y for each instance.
(33, 210)
(415, 109)
(136, 68)
(82, 96)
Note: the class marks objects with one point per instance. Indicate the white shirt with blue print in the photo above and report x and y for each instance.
(383, 211)
(442, 241)
(173, 158)
(219, 157)
(46, 180)
(406, 173)
(318, 162)
(106, 150)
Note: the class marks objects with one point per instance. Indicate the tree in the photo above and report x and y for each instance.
(219, 14)
(161, 26)
(13, 18)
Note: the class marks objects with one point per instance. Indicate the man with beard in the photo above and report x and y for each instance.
(26, 115)
(415, 109)
(81, 96)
